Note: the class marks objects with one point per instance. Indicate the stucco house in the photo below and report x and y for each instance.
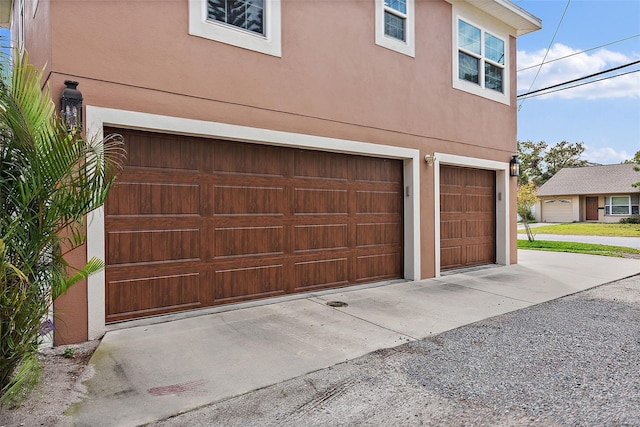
(594, 193)
(277, 147)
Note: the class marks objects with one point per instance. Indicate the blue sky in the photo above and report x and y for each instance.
(605, 116)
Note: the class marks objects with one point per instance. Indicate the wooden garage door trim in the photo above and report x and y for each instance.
(467, 217)
(197, 222)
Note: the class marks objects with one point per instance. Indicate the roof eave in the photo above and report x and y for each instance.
(516, 17)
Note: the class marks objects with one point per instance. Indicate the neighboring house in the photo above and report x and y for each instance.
(279, 147)
(593, 193)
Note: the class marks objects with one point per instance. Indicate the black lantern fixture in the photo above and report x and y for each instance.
(514, 166)
(71, 106)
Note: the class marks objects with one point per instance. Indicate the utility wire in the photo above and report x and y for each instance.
(579, 79)
(581, 84)
(578, 53)
(548, 49)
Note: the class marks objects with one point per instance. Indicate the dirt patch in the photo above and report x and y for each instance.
(60, 385)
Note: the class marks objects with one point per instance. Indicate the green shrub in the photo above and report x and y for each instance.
(631, 220)
(49, 180)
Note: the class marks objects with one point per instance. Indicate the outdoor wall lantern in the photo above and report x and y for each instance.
(429, 159)
(514, 166)
(71, 106)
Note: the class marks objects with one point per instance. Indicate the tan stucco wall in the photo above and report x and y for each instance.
(37, 34)
(332, 80)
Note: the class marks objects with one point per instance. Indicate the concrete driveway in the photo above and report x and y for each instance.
(152, 371)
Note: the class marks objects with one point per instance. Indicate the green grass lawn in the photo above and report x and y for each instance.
(580, 248)
(588, 229)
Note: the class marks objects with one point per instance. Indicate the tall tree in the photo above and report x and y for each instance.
(539, 161)
(49, 180)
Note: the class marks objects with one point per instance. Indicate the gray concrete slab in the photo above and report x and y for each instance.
(420, 309)
(150, 372)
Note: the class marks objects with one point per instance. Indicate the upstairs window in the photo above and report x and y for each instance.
(480, 54)
(245, 14)
(395, 25)
(249, 24)
(480, 57)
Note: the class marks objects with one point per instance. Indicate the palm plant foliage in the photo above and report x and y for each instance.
(49, 180)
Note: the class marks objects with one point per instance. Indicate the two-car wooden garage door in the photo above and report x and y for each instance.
(198, 222)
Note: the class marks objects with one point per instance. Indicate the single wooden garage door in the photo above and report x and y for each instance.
(198, 222)
(467, 217)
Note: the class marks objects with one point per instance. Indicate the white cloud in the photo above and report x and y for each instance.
(580, 65)
(606, 155)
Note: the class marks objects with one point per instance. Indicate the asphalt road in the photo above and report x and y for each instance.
(572, 361)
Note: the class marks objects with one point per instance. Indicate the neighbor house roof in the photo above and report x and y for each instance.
(604, 179)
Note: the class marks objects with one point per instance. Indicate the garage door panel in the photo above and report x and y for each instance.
(321, 201)
(255, 200)
(450, 176)
(479, 228)
(451, 203)
(248, 159)
(479, 253)
(321, 273)
(149, 295)
(479, 203)
(376, 170)
(125, 247)
(245, 221)
(474, 181)
(249, 282)
(327, 166)
(384, 233)
(138, 198)
(177, 153)
(377, 202)
(311, 237)
(450, 229)
(451, 256)
(236, 241)
(377, 266)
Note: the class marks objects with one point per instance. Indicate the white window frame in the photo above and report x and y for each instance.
(270, 43)
(608, 205)
(406, 47)
(480, 89)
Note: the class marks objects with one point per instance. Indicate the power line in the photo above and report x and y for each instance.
(548, 49)
(579, 79)
(582, 84)
(578, 53)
